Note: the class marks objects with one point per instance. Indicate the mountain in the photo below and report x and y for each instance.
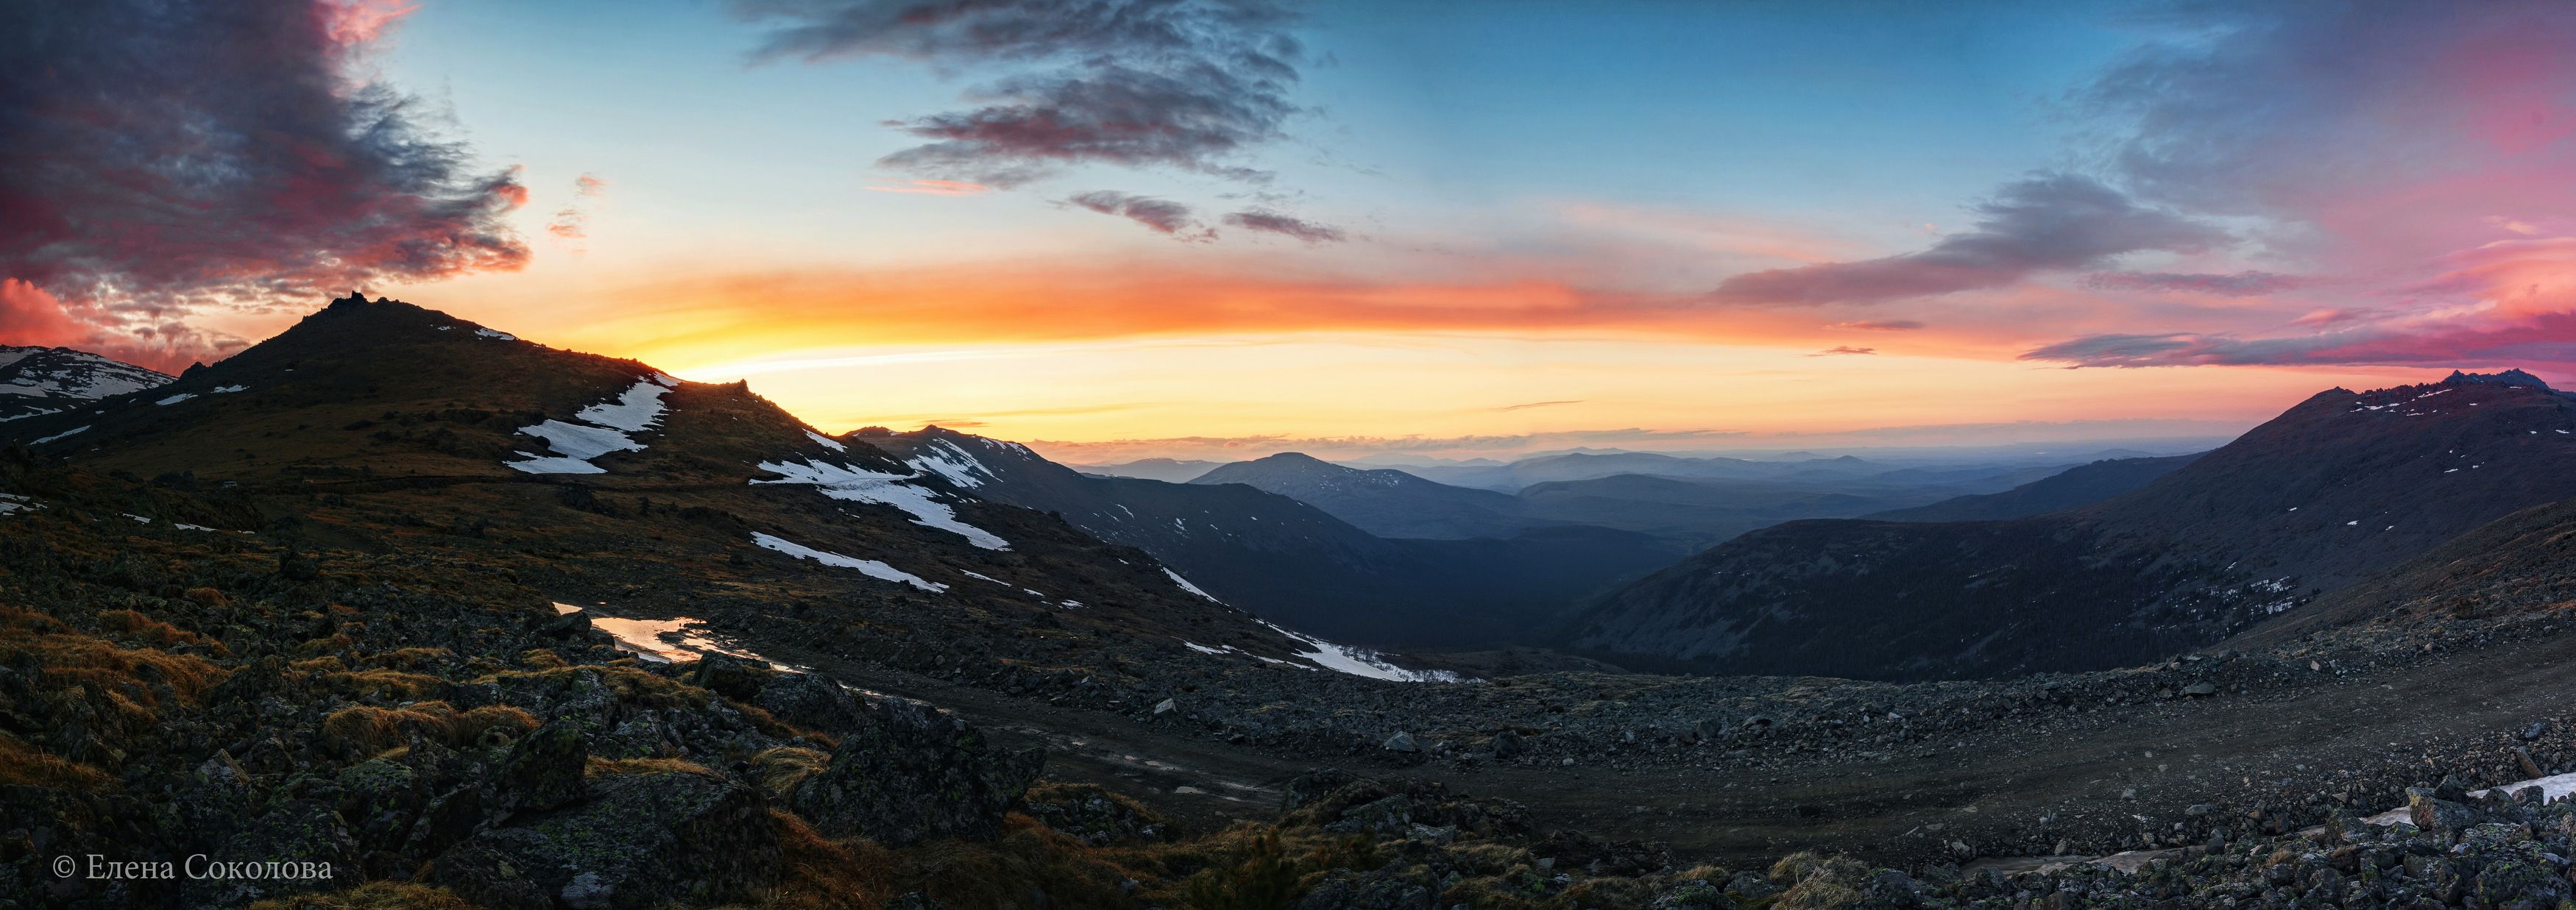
(2523, 563)
(1298, 565)
(1385, 502)
(382, 426)
(2076, 486)
(1592, 465)
(2340, 486)
(37, 380)
(1703, 500)
(1698, 513)
(1163, 469)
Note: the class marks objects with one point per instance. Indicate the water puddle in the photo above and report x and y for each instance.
(667, 641)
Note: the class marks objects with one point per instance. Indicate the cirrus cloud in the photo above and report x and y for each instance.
(1161, 216)
(1270, 222)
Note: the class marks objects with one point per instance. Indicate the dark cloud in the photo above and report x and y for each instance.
(2048, 222)
(1162, 216)
(1879, 325)
(2239, 284)
(1843, 350)
(1275, 223)
(157, 158)
(1175, 83)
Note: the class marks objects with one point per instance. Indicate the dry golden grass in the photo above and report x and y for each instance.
(208, 596)
(22, 764)
(382, 683)
(21, 622)
(155, 632)
(1009, 872)
(632, 684)
(770, 724)
(821, 874)
(603, 767)
(543, 659)
(368, 730)
(130, 672)
(325, 645)
(408, 658)
(782, 768)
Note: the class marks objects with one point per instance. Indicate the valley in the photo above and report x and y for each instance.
(682, 589)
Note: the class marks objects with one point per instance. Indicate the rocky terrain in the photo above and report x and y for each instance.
(439, 737)
(594, 637)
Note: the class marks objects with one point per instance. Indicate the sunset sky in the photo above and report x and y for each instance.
(1217, 228)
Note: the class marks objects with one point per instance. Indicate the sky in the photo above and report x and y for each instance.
(1220, 228)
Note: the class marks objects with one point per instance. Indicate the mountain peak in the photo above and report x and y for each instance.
(2508, 377)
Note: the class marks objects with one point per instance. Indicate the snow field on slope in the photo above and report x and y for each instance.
(868, 567)
(852, 484)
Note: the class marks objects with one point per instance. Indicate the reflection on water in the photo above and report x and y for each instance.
(666, 641)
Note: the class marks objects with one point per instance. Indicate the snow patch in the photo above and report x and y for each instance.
(175, 399)
(60, 435)
(855, 485)
(868, 567)
(604, 430)
(826, 441)
(491, 333)
(944, 458)
(1361, 661)
(229, 389)
(1187, 586)
(635, 410)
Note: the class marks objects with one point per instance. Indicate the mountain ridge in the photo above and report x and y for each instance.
(2250, 530)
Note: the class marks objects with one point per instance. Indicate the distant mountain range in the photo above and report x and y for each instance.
(2081, 485)
(37, 380)
(1163, 469)
(1384, 501)
(1298, 564)
(2341, 486)
(1704, 500)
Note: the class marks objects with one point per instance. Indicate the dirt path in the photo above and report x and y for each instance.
(1900, 809)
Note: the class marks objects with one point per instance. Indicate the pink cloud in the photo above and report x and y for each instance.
(934, 188)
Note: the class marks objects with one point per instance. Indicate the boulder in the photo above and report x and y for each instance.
(1386, 889)
(812, 702)
(915, 773)
(641, 840)
(1093, 815)
(543, 770)
(2434, 814)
